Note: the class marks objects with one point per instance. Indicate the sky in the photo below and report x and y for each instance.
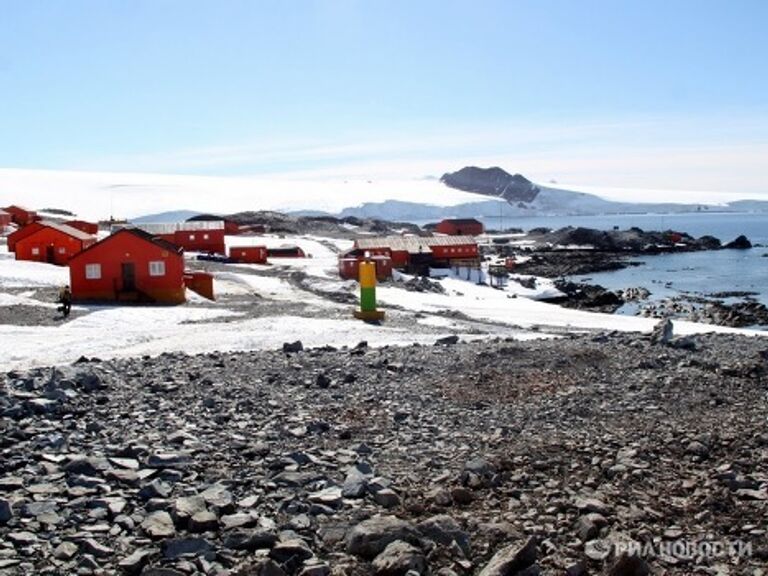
(614, 93)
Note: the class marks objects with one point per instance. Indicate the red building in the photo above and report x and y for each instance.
(83, 226)
(21, 216)
(349, 266)
(461, 227)
(52, 243)
(248, 254)
(200, 282)
(192, 236)
(5, 219)
(417, 253)
(21, 233)
(199, 240)
(129, 265)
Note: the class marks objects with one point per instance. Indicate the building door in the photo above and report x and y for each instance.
(129, 276)
(50, 255)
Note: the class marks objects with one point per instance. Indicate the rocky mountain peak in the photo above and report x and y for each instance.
(492, 182)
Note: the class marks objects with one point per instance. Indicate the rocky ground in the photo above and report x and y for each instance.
(328, 226)
(495, 458)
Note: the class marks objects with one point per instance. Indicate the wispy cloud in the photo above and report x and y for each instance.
(721, 154)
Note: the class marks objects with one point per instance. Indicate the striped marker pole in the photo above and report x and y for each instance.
(367, 277)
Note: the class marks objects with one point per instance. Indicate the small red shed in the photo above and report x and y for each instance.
(83, 226)
(21, 216)
(5, 219)
(460, 227)
(248, 254)
(52, 243)
(130, 265)
(200, 282)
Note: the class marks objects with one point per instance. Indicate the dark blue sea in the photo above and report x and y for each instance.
(673, 274)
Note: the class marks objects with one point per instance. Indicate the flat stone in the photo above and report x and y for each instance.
(155, 489)
(511, 560)
(444, 530)
(187, 506)
(592, 505)
(399, 558)
(168, 460)
(219, 497)
(239, 520)
(369, 538)
(285, 550)
(330, 497)
(203, 522)
(250, 540)
(22, 538)
(387, 498)
(91, 546)
(159, 525)
(126, 463)
(132, 565)
(65, 551)
(178, 547)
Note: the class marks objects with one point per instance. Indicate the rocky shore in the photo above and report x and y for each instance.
(494, 458)
(573, 251)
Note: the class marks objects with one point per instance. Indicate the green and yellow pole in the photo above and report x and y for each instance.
(367, 278)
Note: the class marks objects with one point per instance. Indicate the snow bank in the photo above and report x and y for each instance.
(488, 304)
(97, 195)
(22, 274)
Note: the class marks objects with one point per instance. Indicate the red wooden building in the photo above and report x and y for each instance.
(129, 265)
(192, 236)
(52, 243)
(199, 240)
(200, 282)
(83, 226)
(417, 253)
(21, 233)
(461, 227)
(248, 254)
(5, 219)
(21, 216)
(349, 266)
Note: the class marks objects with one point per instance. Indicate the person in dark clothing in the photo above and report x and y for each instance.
(65, 299)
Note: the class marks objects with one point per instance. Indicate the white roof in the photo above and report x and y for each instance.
(170, 228)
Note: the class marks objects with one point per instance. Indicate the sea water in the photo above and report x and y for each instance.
(668, 275)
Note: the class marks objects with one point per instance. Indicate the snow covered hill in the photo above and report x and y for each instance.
(99, 195)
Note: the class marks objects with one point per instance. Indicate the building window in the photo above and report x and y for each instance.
(205, 237)
(92, 271)
(191, 236)
(157, 268)
(35, 251)
(62, 250)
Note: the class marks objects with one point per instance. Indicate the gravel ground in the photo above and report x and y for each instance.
(492, 458)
